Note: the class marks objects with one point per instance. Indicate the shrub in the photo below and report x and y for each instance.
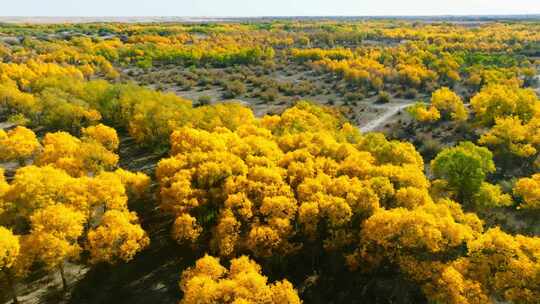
(270, 94)
(234, 89)
(353, 96)
(410, 93)
(383, 97)
(204, 100)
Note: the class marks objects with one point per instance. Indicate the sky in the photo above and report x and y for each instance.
(245, 8)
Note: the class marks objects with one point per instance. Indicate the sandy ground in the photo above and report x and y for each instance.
(365, 113)
(390, 110)
(6, 125)
(368, 115)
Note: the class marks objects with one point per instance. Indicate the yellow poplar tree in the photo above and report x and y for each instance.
(9, 252)
(209, 282)
(18, 144)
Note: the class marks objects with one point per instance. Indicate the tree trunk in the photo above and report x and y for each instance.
(63, 276)
(11, 284)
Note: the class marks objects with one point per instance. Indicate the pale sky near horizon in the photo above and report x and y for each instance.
(241, 8)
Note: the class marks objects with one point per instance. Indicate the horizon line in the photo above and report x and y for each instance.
(270, 16)
(216, 19)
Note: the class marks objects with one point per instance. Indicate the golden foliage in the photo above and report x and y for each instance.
(18, 144)
(118, 237)
(509, 136)
(209, 282)
(500, 101)
(422, 114)
(104, 135)
(262, 186)
(449, 104)
(9, 248)
(444, 103)
(529, 190)
(75, 156)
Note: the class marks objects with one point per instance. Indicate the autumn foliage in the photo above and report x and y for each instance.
(209, 282)
(283, 196)
(67, 203)
(278, 186)
(268, 185)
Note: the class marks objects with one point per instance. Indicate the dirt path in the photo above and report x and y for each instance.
(6, 125)
(391, 110)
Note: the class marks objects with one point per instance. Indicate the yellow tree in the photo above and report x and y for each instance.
(9, 252)
(421, 113)
(59, 215)
(18, 144)
(76, 157)
(489, 196)
(449, 104)
(528, 189)
(420, 242)
(209, 282)
(499, 101)
(432, 228)
(390, 151)
(13, 99)
(505, 266)
(60, 149)
(136, 184)
(104, 135)
(34, 188)
(54, 235)
(509, 137)
(444, 104)
(118, 237)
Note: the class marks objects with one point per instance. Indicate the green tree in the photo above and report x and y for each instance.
(464, 167)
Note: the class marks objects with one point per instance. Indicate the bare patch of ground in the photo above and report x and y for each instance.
(390, 110)
(364, 112)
